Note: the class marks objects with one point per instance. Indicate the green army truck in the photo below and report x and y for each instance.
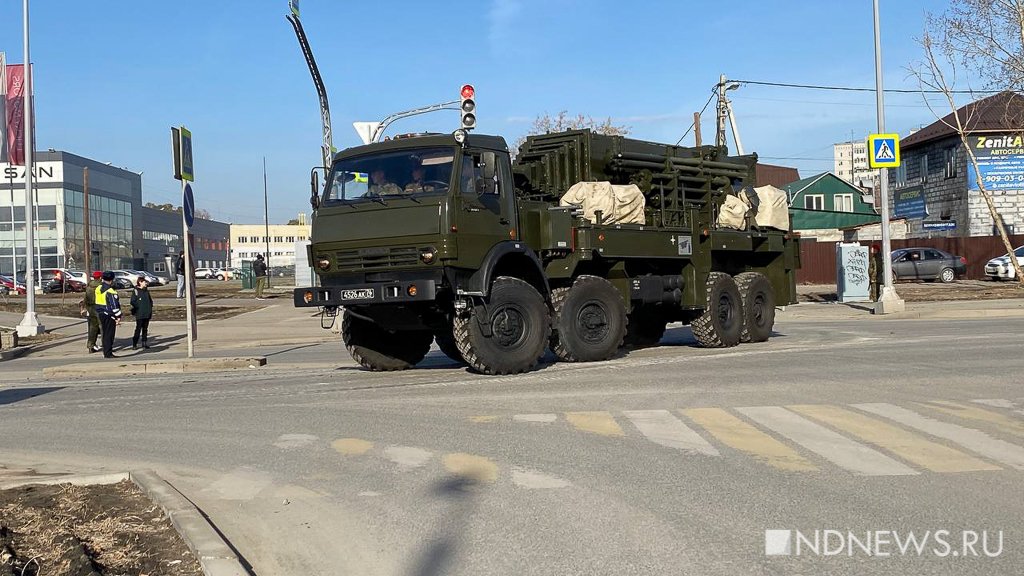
(447, 238)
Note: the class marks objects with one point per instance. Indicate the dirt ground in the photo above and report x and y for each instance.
(928, 291)
(101, 530)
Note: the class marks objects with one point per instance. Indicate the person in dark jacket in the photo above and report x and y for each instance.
(142, 309)
(89, 304)
(259, 270)
(179, 270)
(108, 308)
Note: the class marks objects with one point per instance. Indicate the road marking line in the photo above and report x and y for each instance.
(916, 449)
(661, 427)
(741, 436)
(470, 466)
(289, 441)
(975, 440)
(998, 403)
(835, 448)
(532, 479)
(482, 419)
(968, 412)
(352, 446)
(542, 418)
(595, 422)
(408, 456)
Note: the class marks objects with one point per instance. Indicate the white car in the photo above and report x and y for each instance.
(224, 274)
(1001, 269)
(207, 273)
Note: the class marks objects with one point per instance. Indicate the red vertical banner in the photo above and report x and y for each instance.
(16, 114)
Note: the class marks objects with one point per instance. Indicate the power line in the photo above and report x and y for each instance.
(853, 89)
(706, 104)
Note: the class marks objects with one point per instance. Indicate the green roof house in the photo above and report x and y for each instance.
(821, 206)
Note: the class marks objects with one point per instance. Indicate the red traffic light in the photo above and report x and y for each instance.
(468, 91)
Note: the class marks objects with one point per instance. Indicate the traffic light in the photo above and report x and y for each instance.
(468, 107)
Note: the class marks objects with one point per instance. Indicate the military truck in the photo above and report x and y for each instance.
(447, 238)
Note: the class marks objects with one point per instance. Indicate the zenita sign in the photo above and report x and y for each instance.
(44, 172)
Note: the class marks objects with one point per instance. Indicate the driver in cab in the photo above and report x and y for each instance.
(380, 186)
(417, 185)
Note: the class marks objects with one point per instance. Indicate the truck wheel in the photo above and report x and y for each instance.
(590, 320)
(722, 321)
(645, 328)
(376, 349)
(758, 300)
(509, 333)
(446, 342)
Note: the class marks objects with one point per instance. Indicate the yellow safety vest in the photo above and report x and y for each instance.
(101, 295)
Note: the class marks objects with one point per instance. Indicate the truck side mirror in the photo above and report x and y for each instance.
(314, 187)
(489, 163)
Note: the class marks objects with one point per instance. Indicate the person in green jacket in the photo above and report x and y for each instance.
(89, 310)
(142, 309)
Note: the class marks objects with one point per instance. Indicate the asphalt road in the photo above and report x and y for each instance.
(673, 460)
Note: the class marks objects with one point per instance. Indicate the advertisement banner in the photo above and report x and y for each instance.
(15, 100)
(3, 107)
(1000, 162)
(909, 203)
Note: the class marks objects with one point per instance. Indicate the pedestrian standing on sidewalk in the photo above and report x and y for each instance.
(89, 310)
(180, 271)
(108, 307)
(874, 272)
(259, 269)
(142, 309)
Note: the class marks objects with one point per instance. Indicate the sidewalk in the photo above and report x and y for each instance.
(278, 323)
(948, 309)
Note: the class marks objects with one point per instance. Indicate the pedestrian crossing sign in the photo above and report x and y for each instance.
(884, 150)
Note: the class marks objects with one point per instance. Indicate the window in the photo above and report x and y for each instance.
(814, 202)
(923, 168)
(278, 239)
(158, 267)
(290, 239)
(951, 162)
(241, 239)
(933, 255)
(254, 239)
(899, 174)
(842, 202)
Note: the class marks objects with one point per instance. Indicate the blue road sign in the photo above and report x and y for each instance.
(188, 206)
(885, 150)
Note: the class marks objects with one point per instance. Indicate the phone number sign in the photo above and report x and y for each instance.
(1000, 162)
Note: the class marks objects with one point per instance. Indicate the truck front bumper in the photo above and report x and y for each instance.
(369, 293)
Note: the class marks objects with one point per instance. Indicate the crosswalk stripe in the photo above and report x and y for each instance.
(1000, 421)
(539, 418)
(999, 403)
(741, 436)
(835, 448)
(595, 422)
(911, 447)
(661, 427)
(974, 440)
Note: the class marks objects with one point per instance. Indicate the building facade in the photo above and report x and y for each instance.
(115, 197)
(822, 206)
(850, 162)
(248, 240)
(161, 241)
(936, 188)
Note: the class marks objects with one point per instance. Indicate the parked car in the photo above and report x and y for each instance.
(124, 279)
(79, 275)
(8, 283)
(153, 279)
(927, 264)
(58, 285)
(42, 275)
(1001, 269)
(224, 274)
(207, 273)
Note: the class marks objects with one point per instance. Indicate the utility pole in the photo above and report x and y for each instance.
(696, 129)
(721, 114)
(85, 220)
(30, 322)
(266, 218)
(889, 301)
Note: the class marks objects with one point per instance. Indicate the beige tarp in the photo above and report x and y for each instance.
(733, 213)
(772, 208)
(619, 204)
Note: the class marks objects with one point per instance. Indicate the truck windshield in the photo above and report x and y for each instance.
(417, 172)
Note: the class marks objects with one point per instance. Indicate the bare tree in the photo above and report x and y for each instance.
(563, 121)
(987, 36)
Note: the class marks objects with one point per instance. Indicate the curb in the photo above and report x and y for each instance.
(215, 555)
(76, 479)
(13, 353)
(182, 366)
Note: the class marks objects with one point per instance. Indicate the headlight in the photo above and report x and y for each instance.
(307, 297)
(323, 263)
(428, 255)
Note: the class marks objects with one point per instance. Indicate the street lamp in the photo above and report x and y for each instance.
(30, 325)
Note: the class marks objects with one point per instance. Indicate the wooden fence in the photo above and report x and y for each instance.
(818, 259)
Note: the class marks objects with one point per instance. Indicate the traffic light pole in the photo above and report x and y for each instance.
(30, 322)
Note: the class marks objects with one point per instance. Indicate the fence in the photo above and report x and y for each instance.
(818, 259)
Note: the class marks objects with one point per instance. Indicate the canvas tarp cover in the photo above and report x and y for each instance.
(772, 209)
(733, 213)
(619, 204)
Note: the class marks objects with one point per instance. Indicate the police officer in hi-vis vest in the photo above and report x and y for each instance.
(108, 308)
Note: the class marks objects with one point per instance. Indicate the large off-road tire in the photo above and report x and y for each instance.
(446, 343)
(379, 350)
(589, 322)
(645, 327)
(722, 321)
(508, 333)
(758, 299)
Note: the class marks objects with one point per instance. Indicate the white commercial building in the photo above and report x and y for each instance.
(248, 240)
(850, 161)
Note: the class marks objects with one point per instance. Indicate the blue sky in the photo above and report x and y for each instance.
(112, 77)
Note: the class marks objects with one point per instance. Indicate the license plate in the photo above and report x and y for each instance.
(360, 294)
